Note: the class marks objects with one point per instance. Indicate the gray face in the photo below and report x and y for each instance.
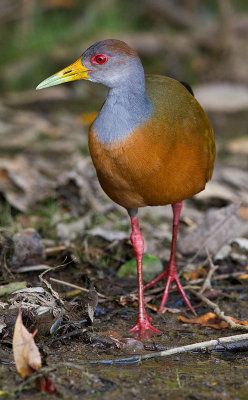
(116, 70)
(126, 105)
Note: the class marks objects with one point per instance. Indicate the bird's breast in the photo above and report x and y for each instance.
(153, 165)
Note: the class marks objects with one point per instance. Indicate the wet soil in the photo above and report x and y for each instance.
(216, 375)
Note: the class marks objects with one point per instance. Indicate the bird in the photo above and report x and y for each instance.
(151, 144)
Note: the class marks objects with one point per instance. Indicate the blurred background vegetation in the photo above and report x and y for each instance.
(48, 182)
(193, 40)
(44, 134)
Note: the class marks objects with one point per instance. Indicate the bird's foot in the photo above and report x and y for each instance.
(171, 275)
(143, 329)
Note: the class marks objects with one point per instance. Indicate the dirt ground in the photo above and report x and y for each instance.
(48, 184)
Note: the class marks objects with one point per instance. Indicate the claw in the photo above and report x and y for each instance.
(173, 277)
(144, 330)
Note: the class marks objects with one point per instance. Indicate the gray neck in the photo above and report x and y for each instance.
(126, 107)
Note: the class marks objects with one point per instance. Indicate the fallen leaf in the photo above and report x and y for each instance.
(193, 275)
(222, 96)
(243, 212)
(28, 248)
(21, 183)
(244, 277)
(133, 297)
(210, 320)
(218, 228)
(128, 344)
(11, 287)
(238, 145)
(109, 234)
(240, 244)
(127, 299)
(165, 309)
(2, 323)
(26, 354)
(212, 294)
(152, 266)
(217, 191)
(90, 302)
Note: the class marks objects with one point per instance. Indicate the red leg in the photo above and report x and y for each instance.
(171, 272)
(143, 326)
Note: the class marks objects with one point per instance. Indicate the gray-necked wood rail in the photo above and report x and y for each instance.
(151, 144)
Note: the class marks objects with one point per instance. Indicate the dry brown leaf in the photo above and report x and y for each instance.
(165, 309)
(243, 212)
(22, 184)
(133, 297)
(26, 353)
(28, 248)
(210, 320)
(244, 276)
(128, 344)
(91, 301)
(193, 275)
(219, 227)
(222, 96)
(238, 145)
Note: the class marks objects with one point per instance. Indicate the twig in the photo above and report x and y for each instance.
(49, 287)
(29, 268)
(83, 369)
(75, 286)
(191, 283)
(65, 336)
(5, 265)
(207, 283)
(219, 313)
(218, 277)
(54, 250)
(201, 346)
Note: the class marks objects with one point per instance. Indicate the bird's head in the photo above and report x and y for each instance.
(110, 62)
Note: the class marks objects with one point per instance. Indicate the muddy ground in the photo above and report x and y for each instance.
(48, 184)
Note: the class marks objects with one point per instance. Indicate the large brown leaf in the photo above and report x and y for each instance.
(26, 353)
(211, 320)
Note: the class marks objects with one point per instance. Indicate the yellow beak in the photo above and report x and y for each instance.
(71, 73)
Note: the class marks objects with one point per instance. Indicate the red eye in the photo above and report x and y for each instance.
(99, 59)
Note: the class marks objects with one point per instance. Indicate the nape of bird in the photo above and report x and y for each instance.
(151, 144)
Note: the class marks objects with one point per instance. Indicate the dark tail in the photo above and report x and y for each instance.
(188, 87)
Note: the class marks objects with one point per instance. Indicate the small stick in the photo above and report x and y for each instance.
(201, 346)
(218, 277)
(29, 268)
(49, 287)
(54, 250)
(207, 283)
(75, 286)
(219, 313)
(66, 336)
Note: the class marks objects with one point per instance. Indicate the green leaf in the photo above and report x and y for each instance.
(152, 266)
(12, 287)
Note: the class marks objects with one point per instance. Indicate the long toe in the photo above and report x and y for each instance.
(184, 296)
(165, 294)
(172, 276)
(157, 279)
